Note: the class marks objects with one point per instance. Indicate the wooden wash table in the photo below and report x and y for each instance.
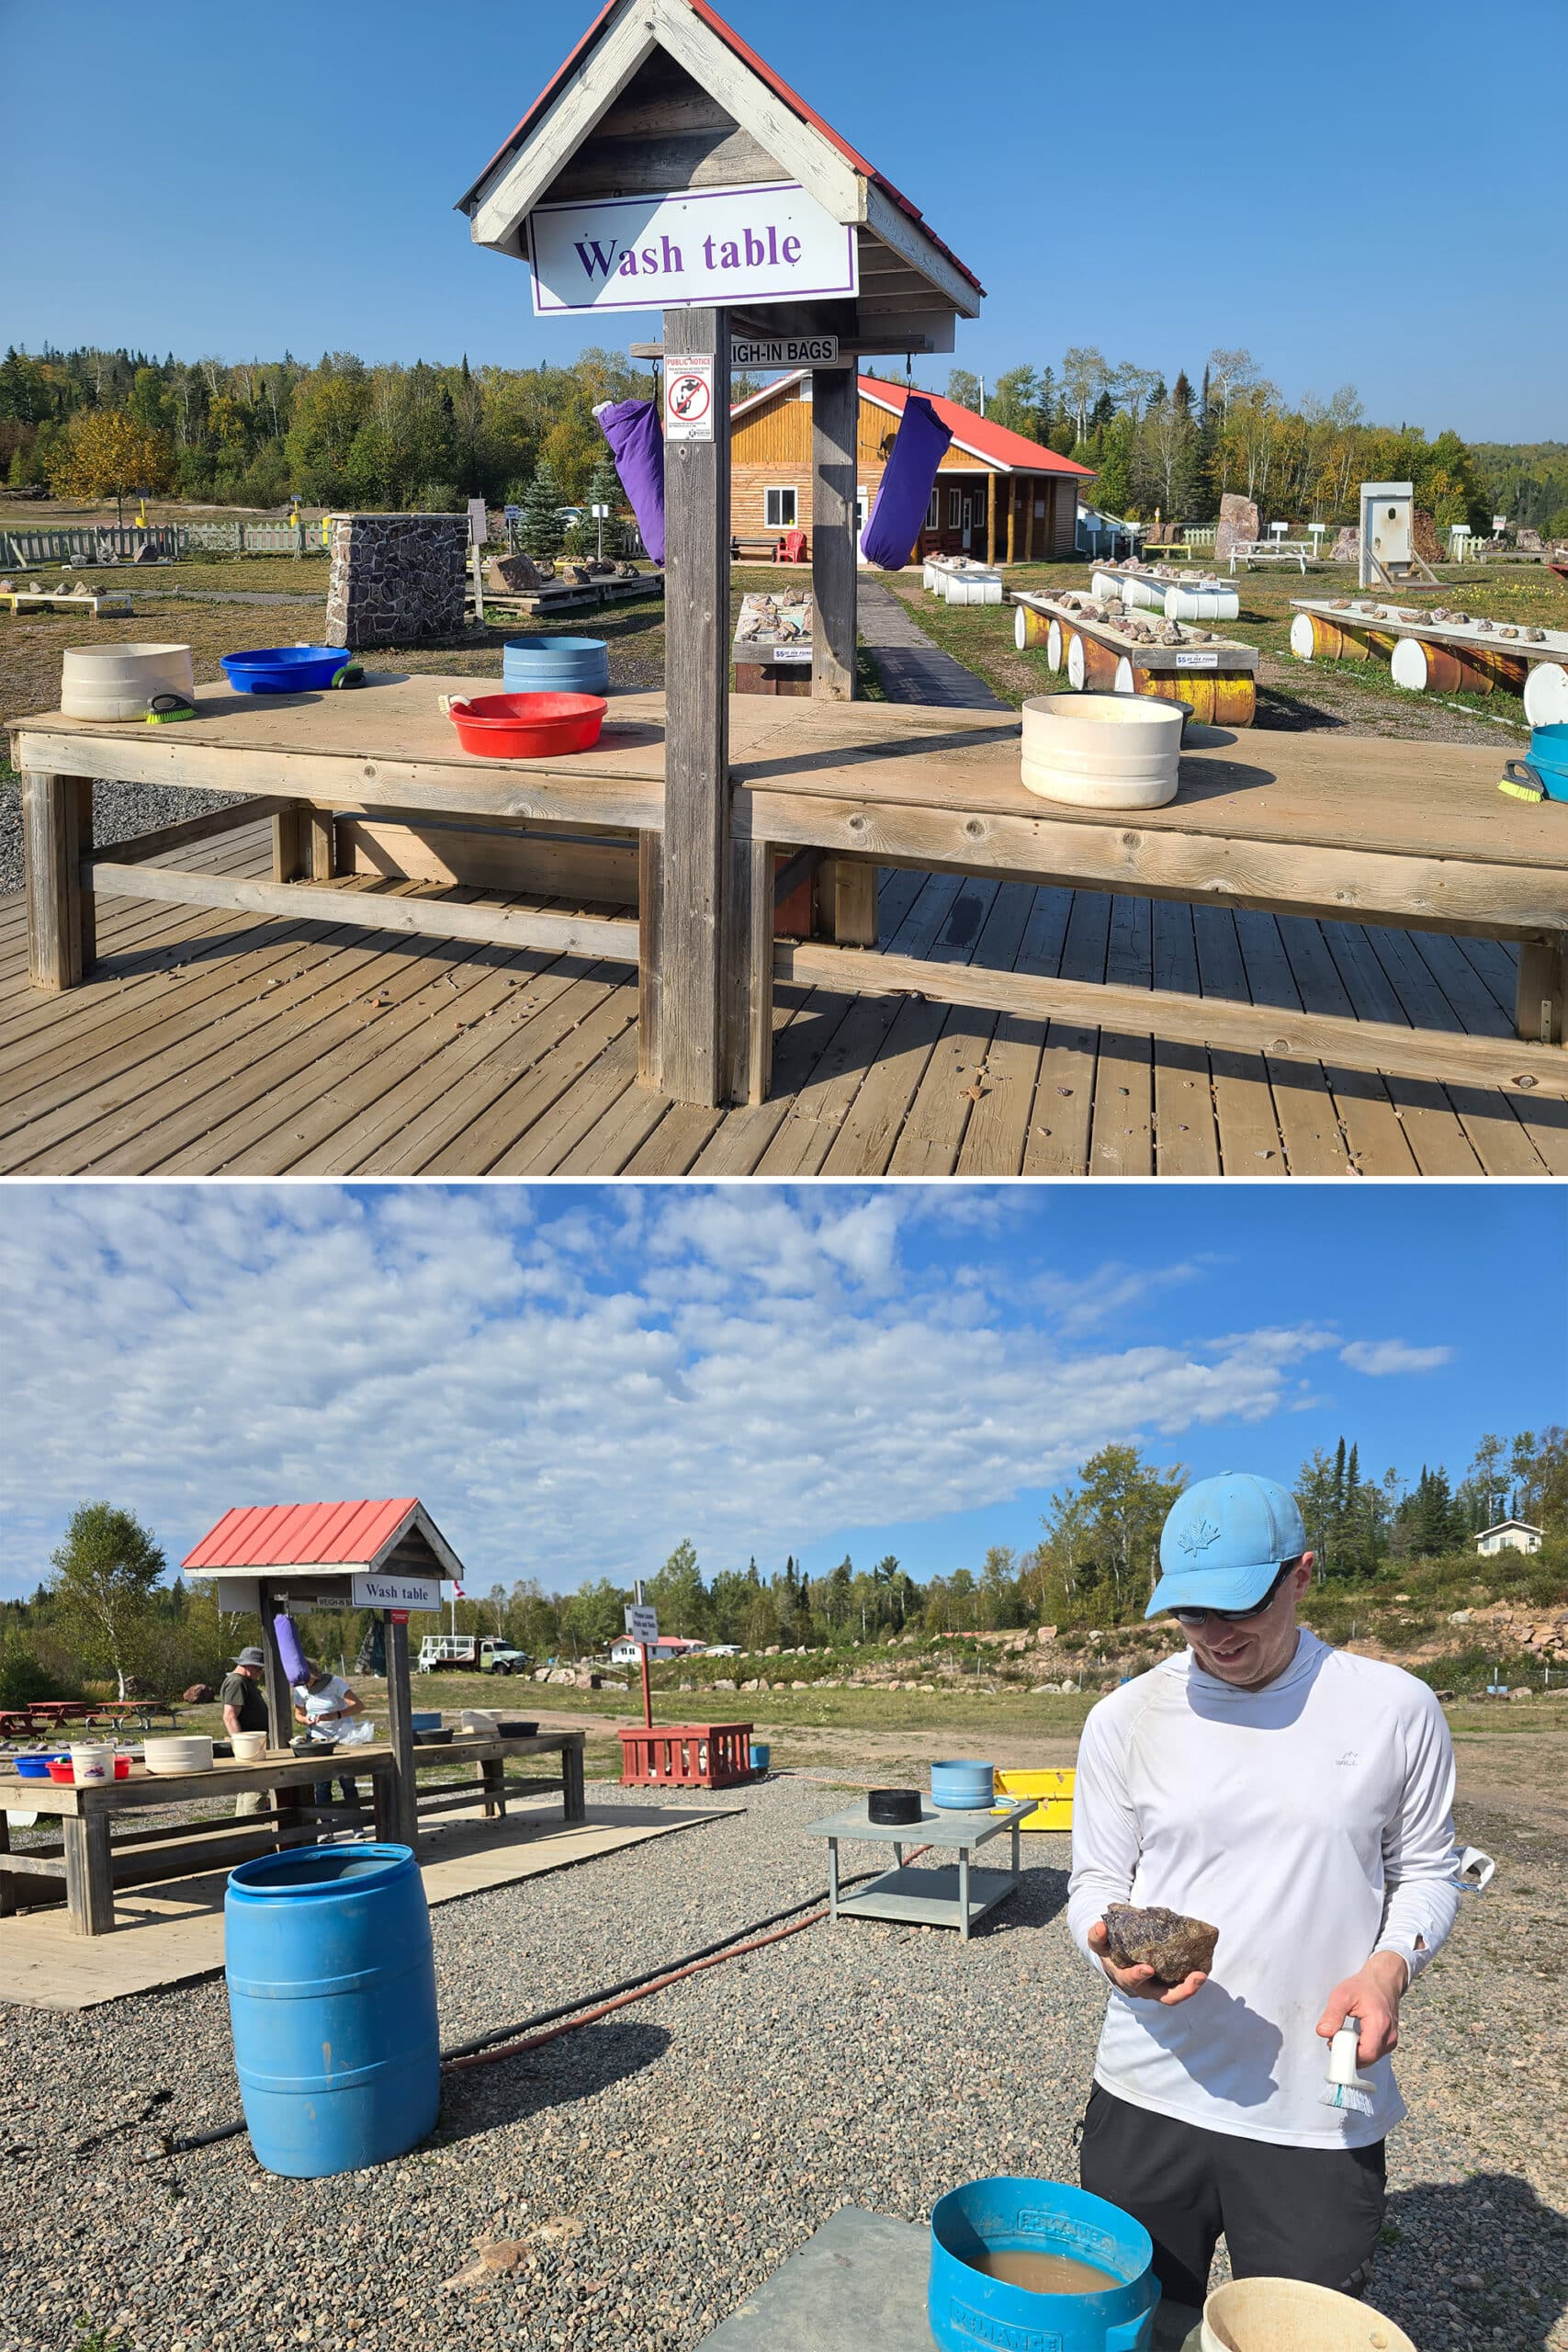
(1346, 827)
(89, 1819)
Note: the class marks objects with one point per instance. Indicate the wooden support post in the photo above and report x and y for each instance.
(400, 1730)
(750, 989)
(990, 518)
(695, 856)
(846, 902)
(1012, 516)
(279, 1698)
(289, 850)
(89, 1888)
(1029, 520)
(1540, 1003)
(57, 828)
(835, 410)
(573, 1797)
(322, 830)
(649, 899)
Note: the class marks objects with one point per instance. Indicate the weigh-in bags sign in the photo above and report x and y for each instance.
(766, 243)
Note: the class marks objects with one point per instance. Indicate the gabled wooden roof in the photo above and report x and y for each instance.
(271, 1537)
(723, 118)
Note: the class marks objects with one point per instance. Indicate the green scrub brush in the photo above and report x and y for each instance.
(1345, 2089)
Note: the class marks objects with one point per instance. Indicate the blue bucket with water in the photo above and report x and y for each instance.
(555, 666)
(761, 1751)
(332, 2001)
(963, 1785)
(966, 2307)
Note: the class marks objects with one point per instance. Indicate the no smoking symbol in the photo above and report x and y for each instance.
(691, 397)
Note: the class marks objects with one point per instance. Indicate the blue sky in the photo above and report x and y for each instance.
(573, 1378)
(245, 183)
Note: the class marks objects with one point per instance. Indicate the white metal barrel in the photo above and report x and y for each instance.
(1101, 752)
(1301, 636)
(1546, 695)
(1409, 665)
(1220, 604)
(1075, 664)
(1148, 596)
(1106, 584)
(1124, 685)
(1053, 644)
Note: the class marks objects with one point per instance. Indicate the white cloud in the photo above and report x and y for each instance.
(571, 1391)
(1378, 1356)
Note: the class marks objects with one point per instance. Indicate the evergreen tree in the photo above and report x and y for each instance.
(541, 527)
(605, 490)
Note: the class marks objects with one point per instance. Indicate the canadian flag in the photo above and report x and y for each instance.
(457, 1592)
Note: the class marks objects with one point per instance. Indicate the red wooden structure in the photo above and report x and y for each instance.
(686, 1756)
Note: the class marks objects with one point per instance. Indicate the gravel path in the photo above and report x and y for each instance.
(120, 812)
(655, 2168)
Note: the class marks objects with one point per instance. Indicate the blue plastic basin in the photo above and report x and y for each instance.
(962, 1784)
(284, 668)
(427, 1722)
(332, 1999)
(35, 1768)
(967, 2308)
(555, 666)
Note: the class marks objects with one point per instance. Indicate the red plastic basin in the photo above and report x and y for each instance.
(527, 726)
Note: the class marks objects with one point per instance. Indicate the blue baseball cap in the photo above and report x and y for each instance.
(1224, 1542)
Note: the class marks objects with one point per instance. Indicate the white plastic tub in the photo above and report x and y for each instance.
(120, 681)
(91, 1763)
(1102, 750)
(1286, 2315)
(249, 1746)
(185, 1752)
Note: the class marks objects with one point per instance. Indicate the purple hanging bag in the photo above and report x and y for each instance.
(895, 521)
(637, 444)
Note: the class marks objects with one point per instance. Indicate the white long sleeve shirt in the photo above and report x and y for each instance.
(1312, 1823)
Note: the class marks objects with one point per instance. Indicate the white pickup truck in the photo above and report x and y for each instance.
(471, 1653)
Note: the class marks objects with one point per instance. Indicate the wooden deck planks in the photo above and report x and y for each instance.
(211, 1042)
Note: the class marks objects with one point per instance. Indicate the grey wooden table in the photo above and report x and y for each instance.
(954, 1894)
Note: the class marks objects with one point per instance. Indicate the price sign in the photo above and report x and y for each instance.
(642, 1624)
(688, 398)
(1197, 661)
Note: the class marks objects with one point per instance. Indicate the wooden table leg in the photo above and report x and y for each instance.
(1540, 1003)
(89, 1889)
(574, 1801)
(964, 1892)
(846, 902)
(321, 844)
(7, 1900)
(290, 856)
(57, 826)
(493, 1774)
(384, 1799)
(749, 977)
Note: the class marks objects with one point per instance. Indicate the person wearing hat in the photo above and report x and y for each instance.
(1300, 1800)
(325, 1707)
(245, 1708)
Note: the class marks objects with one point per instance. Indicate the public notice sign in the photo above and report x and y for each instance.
(642, 1624)
(699, 246)
(688, 398)
(387, 1589)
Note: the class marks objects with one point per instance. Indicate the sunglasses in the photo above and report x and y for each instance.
(1233, 1616)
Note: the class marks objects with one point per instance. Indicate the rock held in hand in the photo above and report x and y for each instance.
(1161, 1939)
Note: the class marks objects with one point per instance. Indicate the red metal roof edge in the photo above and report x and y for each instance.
(1037, 459)
(275, 1535)
(780, 88)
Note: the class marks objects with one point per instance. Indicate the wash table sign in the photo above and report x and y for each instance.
(768, 243)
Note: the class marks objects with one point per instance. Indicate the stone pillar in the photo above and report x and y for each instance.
(396, 580)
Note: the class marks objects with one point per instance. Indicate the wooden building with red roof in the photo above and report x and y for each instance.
(998, 495)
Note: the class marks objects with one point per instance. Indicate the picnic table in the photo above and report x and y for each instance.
(1251, 551)
(92, 1857)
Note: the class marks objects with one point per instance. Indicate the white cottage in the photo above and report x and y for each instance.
(1510, 1536)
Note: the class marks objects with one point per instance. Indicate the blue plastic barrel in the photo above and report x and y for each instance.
(966, 2307)
(555, 666)
(963, 1785)
(761, 1751)
(332, 1999)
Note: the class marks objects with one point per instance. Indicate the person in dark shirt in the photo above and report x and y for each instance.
(245, 1708)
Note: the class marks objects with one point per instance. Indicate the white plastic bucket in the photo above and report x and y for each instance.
(1102, 750)
(1201, 604)
(120, 681)
(1286, 2315)
(249, 1746)
(91, 1763)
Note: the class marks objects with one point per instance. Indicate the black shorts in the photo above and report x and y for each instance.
(1311, 2213)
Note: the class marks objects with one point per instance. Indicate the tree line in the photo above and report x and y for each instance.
(343, 434)
(1177, 447)
(104, 1612)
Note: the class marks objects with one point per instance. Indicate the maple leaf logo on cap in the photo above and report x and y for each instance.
(1198, 1539)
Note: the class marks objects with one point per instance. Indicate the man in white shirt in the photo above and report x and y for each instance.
(1300, 1800)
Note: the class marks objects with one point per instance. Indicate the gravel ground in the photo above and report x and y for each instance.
(120, 812)
(657, 2167)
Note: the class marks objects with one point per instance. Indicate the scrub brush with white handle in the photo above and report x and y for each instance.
(1345, 2089)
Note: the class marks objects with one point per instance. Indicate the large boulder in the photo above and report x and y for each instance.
(200, 1694)
(1238, 520)
(516, 573)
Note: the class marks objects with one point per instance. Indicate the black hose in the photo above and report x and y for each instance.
(178, 2147)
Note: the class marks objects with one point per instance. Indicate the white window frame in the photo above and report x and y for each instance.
(780, 490)
(933, 512)
(956, 510)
